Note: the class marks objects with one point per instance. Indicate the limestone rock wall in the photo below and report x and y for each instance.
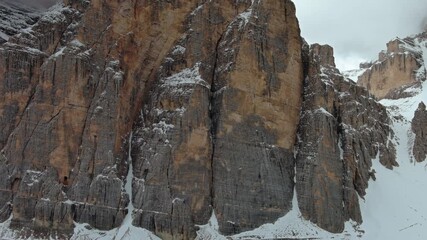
(59, 152)
(218, 131)
(342, 129)
(399, 67)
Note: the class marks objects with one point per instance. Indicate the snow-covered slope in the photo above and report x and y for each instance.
(15, 16)
(353, 74)
(395, 206)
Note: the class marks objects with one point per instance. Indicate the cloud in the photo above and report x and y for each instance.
(358, 30)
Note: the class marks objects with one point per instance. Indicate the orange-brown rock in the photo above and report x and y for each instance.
(222, 124)
(198, 74)
(400, 66)
(257, 100)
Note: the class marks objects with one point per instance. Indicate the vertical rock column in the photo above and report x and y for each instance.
(419, 127)
(219, 124)
(255, 108)
(319, 163)
(342, 130)
(172, 149)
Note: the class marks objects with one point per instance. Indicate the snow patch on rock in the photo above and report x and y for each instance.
(188, 76)
(353, 75)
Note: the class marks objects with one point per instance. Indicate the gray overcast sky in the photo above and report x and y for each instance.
(359, 29)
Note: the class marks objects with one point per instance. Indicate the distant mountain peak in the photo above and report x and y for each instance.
(401, 66)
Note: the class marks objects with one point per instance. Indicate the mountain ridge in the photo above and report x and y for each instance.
(400, 67)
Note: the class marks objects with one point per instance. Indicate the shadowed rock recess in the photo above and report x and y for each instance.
(226, 103)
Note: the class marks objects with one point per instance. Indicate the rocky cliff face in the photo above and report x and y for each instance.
(203, 102)
(218, 129)
(341, 130)
(400, 67)
(419, 127)
(70, 98)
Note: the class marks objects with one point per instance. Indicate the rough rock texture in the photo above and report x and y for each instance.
(210, 95)
(60, 142)
(399, 67)
(219, 130)
(419, 127)
(341, 130)
(72, 86)
(15, 16)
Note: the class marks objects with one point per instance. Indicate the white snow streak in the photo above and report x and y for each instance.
(126, 231)
(127, 222)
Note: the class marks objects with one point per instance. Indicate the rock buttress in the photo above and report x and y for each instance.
(341, 130)
(257, 99)
(420, 130)
(219, 125)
